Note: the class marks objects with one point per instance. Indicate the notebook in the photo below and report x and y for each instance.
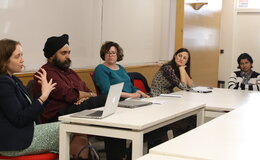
(133, 103)
(109, 108)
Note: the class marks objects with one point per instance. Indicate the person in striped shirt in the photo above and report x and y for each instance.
(246, 78)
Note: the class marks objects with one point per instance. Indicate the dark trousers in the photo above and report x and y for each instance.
(91, 103)
(183, 125)
(116, 148)
(156, 137)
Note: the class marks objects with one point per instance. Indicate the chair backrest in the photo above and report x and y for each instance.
(29, 88)
(96, 87)
(139, 81)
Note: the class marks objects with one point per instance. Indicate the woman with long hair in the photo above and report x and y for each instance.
(175, 73)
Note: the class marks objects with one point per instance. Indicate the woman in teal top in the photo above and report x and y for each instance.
(104, 77)
(110, 73)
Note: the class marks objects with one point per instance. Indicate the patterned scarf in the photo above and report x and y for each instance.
(246, 76)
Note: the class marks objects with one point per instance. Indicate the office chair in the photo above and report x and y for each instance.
(29, 88)
(139, 81)
(41, 156)
(96, 87)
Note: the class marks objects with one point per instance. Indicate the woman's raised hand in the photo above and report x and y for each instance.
(47, 87)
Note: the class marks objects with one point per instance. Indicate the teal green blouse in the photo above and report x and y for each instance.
(104, 77)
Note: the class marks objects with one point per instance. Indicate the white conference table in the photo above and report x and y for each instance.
(130, 124)
(220, 99)
(235, 135)
(160, 157)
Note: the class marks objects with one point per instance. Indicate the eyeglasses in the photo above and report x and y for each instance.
(111, 53)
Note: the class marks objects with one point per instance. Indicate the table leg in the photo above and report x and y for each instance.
(200, 117)
(137, 146)
(64, 143)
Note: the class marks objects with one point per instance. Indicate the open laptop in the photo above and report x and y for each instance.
(133, 103)
(109, 108)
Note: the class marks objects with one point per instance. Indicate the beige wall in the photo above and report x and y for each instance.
(239, 33)
(147, 70)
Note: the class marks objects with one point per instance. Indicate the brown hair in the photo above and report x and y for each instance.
(105, 48)
(7, 47)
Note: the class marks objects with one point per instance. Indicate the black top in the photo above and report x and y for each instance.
(17, 114)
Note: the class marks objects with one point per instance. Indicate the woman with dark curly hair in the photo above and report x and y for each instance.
(110, 72)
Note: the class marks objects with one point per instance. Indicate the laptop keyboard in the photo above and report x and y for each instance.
(96, 114)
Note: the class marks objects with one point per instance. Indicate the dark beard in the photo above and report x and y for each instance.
(62, 65)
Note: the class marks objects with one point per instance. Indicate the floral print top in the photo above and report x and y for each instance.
(165, 80)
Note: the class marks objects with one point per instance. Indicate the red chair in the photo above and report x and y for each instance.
(42, 156)
(139, 81)
(96, 87)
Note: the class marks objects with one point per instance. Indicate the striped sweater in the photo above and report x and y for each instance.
(235, 81)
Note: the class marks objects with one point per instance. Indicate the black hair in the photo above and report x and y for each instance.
(244, 56)
(173, 63)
